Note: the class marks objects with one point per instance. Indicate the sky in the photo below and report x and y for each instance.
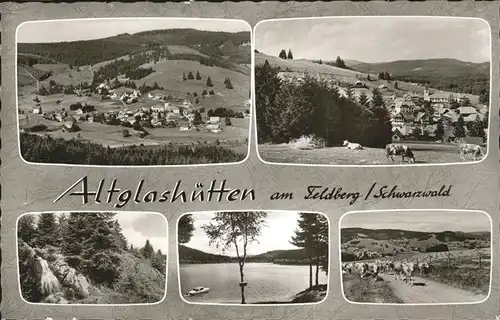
(138, 227)
(279, 229)
(380, 39)
(425, 221)
(74, 30)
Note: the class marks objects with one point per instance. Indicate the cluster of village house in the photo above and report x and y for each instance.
(406, 110)
(161, 114)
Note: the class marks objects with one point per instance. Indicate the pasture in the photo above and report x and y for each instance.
(425, 153)
(168, 74)
(233, 137)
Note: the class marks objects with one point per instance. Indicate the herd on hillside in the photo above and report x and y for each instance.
(395, 149)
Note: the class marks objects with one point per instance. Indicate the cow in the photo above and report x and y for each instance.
(408, 270)
(398, 270)
(404, 151)
(423, 268)
(467, 148)
(352, 146)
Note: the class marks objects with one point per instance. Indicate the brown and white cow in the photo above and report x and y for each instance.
(402, 150)
(408, 270)
(398, 269)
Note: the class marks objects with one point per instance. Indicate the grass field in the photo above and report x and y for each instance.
(233, 137)
(424, 153)
(168, 75)
(367, 290)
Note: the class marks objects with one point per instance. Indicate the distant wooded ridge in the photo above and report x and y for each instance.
(294, 256)
(395, 234)
(89, 52)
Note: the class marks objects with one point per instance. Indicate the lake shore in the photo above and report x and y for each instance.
(314, 294)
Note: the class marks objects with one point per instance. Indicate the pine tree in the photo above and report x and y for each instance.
(198, 77)
(197, 116)
(290, 55)
(148, 251)
(459, 130)
(47, 230)
(159, 261)
(209, 82)
(477, 129)
(350, 94)
(312, 235)
(439, 132)
(229, 85)
(363, 99)
(26, 229)
(340, 63)
(184, 76)
(377, 99)
(282, 54)
(190, 76)
(228, 121)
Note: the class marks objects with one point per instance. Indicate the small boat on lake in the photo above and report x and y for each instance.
(198, 290)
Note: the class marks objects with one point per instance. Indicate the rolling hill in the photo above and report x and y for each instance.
(89, 52)
(397, 234)
(390, 240)
(442, 74)
(218, 55)
(428, 67)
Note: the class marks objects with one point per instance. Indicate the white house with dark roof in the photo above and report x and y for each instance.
(400, 119)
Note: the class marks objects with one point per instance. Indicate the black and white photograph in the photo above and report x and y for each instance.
(380, 90)
(416, 257)
(253, 257)
(92, 258)
(134, 92)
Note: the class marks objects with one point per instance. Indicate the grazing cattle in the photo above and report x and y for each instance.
(402, 150)
(352, 146)
(389, 266)
(362, 268)
(398, 269)
(408, 270)
(423, 268)
(473, 149)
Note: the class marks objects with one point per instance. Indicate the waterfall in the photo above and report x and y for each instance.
(48, 282)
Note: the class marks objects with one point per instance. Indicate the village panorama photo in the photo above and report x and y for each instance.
(134, 92)
(354, 91)
(92, 257)
(416, 256)
(253, 257)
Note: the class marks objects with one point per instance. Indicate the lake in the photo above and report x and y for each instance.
(266, 281)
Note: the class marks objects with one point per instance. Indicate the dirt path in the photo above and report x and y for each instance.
(428, 291)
